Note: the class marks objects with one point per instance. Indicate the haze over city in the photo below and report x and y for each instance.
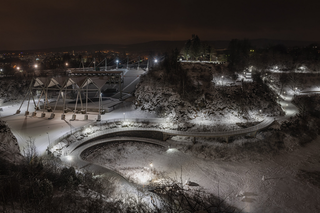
(36, 24)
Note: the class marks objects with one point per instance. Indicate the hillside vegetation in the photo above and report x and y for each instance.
(190, 90)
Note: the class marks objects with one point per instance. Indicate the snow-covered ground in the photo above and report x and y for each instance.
(44, 131)
(259, 184)
(268, 185)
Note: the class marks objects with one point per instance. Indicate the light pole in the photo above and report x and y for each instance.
(117, 61)
(124, 116)
(155, 62)
(48, 138)
(70, 126)
(127, 62)
(35, 67)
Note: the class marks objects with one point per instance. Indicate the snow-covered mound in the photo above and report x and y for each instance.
(9, 148)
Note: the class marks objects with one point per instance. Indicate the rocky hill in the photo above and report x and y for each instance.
(200, 94)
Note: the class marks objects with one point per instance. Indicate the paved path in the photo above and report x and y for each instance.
(284, 100)
(225, 134)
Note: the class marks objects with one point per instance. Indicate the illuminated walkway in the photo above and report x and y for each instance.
(166, 133)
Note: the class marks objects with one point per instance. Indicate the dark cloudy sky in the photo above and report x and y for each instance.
(30, 24)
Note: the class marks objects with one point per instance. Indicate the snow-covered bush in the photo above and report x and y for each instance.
(13, 89)
(9, 148)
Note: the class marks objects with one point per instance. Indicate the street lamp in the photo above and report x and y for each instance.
(67, 64)
(70, 126)
(117, 61)
(124, 116)
(155, 62)
(48, 138)
(36, 66)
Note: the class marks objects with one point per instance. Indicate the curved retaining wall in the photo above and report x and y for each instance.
(98, 135)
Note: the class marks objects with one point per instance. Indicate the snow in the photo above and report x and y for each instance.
(44, 131)
(267, 184)
(41, 130)
(251, 181)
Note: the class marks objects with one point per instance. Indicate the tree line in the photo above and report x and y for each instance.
(241, 54)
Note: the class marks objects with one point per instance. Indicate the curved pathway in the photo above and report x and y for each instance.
(224, 134)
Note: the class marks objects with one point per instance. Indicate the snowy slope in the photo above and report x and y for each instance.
(205, 98)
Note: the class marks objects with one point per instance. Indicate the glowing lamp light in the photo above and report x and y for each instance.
(18, 68)
(69, 157)
(151, 164)
(171, 150)
(143, 178)
(36, 66)
(155, 60)
(117, 61)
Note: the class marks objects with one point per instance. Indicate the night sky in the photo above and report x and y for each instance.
(33, 24)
